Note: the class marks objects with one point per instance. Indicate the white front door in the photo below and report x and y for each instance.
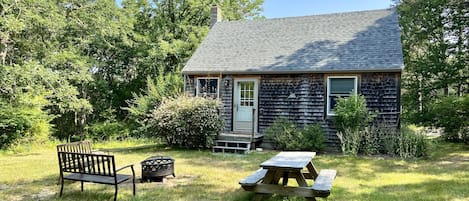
(245, 104)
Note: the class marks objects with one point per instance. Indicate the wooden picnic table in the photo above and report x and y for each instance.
(286, 165)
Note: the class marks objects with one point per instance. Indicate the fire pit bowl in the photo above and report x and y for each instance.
(156, 168)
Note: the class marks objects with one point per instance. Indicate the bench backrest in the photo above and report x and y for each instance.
(75, 147)
(84, 163)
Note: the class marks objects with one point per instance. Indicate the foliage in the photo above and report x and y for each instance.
(191, 122)
(165, 86)
(109, 129)
(412, 144)
(312, 138)
(382, 139)
(350, 140)
(385, 138)
(434, 38)
(22, 124)
(83, 57)
(282, 133)
(106, 130)
(452, 114)
(156, 37)
(359, 135)
(12, 125)
(351, 118)
(285, 135)
(351, 113)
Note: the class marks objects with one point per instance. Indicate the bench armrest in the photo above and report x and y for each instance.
(121, 168)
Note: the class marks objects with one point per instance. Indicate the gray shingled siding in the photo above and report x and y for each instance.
(226, 96)
(301, 98)
(382, 93)
(190, 85)
(307, 106)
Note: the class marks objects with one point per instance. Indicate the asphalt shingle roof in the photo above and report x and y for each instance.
(342, 42)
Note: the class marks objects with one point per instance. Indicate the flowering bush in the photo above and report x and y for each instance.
(190, 122)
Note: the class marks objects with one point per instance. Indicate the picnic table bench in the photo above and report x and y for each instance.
(265, 181)
(78, 163)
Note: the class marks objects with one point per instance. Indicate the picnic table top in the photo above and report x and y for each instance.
(289, 159)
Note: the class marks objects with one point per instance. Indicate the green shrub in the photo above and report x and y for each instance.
(190, 122)
(351, 118)
(312, 138)
(380, 138)
(389, 137)
(22, 124)
(12, 126)
(383, 139)
(282, 133)
(107, 130)
(141, 105)
(451, 113)
(351, 113)
(350, 140)
(357, 135)
(412, 144)
(285, 135)
(370, 140)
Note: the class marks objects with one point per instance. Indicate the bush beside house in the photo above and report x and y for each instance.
(285, 135)
(359, 134)
(190, 122)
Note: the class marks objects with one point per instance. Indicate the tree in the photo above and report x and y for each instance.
(434, 38)
(83, 58)
(38, 63)
(160, 36)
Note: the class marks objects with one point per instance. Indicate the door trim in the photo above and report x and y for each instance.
(255, 105)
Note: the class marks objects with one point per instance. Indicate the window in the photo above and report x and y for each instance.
(207, 87)
(246, 96)
(339, 86)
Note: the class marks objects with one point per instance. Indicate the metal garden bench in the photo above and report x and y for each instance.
(90, 167)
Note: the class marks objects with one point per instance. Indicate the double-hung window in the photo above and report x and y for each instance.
(207, 87)
(339, 86)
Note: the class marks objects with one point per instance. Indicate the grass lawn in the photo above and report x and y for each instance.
(202, 175)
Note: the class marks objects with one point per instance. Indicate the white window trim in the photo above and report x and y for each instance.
(329, 112)
(205, 78)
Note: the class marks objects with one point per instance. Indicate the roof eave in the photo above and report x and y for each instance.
(253, 72)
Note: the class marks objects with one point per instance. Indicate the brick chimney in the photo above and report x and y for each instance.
(215, 15)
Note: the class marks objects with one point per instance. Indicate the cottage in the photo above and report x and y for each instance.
(297, 67)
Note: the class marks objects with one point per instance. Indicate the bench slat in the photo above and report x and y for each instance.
(323, 183)
(98, 178)
(252, 179)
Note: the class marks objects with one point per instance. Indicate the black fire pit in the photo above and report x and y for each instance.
(156, 168)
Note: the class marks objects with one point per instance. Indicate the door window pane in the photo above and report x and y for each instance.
(246, 93)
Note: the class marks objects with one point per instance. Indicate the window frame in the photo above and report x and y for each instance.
(328, 94)
(197, 90)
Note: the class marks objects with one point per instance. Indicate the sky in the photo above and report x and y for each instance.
(290, 8)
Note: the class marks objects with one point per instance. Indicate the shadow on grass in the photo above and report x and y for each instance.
(434, 189)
